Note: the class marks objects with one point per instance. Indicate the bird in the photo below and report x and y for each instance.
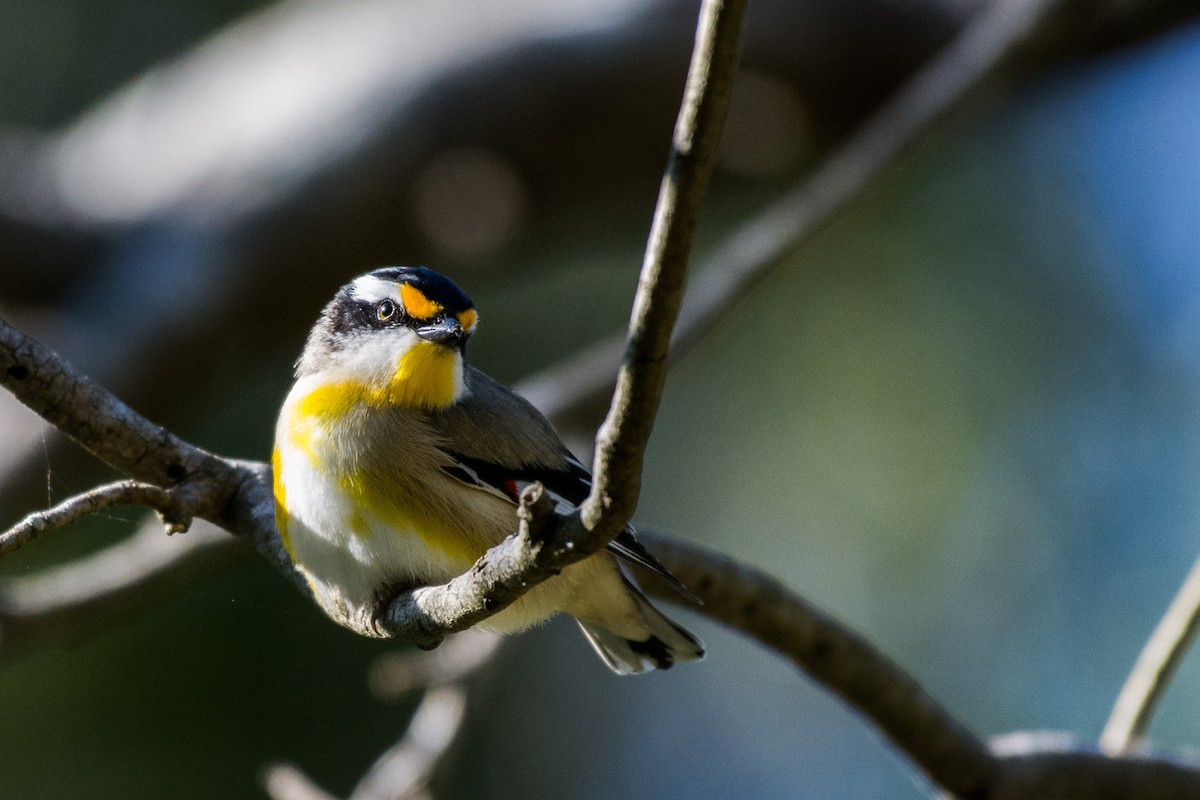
(397, 465)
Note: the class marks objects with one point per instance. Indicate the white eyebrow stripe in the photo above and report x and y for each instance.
(370, 289)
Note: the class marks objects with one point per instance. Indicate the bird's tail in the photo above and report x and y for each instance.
(666, 643)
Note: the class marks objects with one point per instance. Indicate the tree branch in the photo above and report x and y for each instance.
(230, 494)
(102, 424)
(1053, 765)
(520, 562)
(622, 438)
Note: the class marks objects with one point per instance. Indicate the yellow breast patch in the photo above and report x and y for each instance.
(332, 400)
(390, 501)
(426, 377)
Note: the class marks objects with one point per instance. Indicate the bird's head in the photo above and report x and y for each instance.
(398, 334)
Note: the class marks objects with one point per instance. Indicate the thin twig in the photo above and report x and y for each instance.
(404, 770)
(120, 493)
(1154, 669)
(622, 438)
(747, 254)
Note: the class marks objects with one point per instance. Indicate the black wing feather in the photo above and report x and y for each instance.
(629, 548)
(573, 485)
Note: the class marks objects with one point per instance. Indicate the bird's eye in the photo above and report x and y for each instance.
(384, 310)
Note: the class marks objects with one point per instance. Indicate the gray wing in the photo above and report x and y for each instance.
(498, 440)
(493, 423)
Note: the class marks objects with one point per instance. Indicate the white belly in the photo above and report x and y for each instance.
(344, 549)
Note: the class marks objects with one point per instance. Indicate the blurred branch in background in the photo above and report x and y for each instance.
(981, 51)
(1155, 666)
(396, 674)
(123, 580)
(404, 770)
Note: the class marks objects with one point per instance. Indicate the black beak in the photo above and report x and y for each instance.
(446, 331)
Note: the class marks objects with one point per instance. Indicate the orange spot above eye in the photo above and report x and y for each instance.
(468, 319)
(416, 304)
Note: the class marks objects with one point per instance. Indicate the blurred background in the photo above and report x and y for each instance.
(970, 433)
